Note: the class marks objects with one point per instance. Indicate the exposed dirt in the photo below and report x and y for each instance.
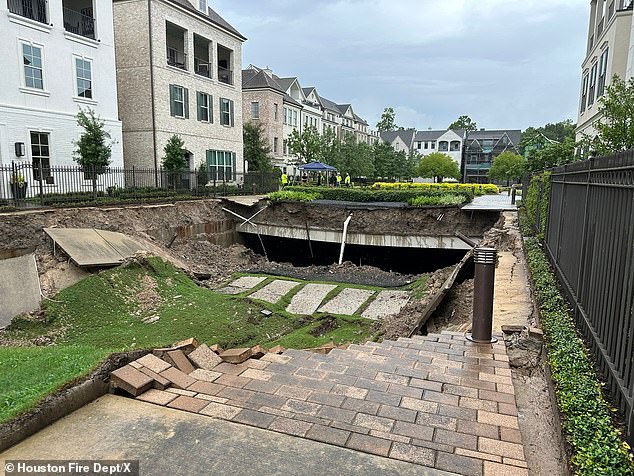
(327, 324)
(346, 272)
(148, 298)
(456, 311)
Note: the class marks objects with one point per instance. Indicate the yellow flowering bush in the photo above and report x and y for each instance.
(475, 188)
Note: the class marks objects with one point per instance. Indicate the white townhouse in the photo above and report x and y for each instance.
(56, 56)
(179, 70)
(448, 142)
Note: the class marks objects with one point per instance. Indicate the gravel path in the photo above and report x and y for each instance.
(387, 303)
(308, 299)
(274, 291)
(242, 284)
(347, 302)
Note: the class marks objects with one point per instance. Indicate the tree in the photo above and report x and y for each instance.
(387, 122)
(175, 153)
(94, 147)
(256, 148)
(438, 166)
(384, 160)
(547, 146)
(464, 122)
(355, 158)
(307, 145)
(615, 129)
(507, 166)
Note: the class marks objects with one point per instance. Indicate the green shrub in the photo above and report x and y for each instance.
(370, 195)
(597, 448)
(537, 201)
(291, 195)
(445, 199)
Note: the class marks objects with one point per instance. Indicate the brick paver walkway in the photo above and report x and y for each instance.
(438, 401)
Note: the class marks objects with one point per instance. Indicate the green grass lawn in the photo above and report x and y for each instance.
(103, 314)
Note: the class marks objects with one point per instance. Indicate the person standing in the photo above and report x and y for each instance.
(347, 180)
(338, 179)
(284, 180)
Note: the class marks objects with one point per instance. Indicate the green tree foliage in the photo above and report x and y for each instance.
(353, 157)
(256, 148)
(174, 158)
(307, 145)
(438, 166)
(507, 166)
(94, 147)
(384, 160)
(615, 129)
(548, 146)
(464, 122)
(387, 122)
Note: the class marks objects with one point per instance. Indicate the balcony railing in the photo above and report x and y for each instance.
(79, 23)
(202, 67)
(225, 75)
(32, 9)
(176, 58)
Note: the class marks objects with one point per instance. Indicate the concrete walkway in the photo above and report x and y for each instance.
(167, 441)
(498, 202)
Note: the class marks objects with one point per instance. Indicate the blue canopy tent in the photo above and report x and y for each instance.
(317, 167)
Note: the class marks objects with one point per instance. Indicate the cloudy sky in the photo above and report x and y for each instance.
(506, 63)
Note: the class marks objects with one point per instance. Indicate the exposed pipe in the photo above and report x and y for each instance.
(310, 245)
(343, 237)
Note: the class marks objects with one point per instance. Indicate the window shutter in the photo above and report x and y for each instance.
(233, 158)
(211, 108)
(186, 100)
(231, 112)
(220, 111)
(199, 103)
(172, 109)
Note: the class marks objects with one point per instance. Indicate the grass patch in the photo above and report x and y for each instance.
(419, 287)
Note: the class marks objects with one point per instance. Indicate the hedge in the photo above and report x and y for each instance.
(370, 195)
(475, 189)
(537, 201)
(293, 196)
(596, 444)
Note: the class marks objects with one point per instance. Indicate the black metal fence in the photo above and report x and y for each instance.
(590, 239)
(25, 185)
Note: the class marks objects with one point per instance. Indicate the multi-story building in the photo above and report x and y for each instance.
(448, 142)
(179, 72)
(401, 140)
(481, 147)
(609, 52)
(58, 56)
(284, 106)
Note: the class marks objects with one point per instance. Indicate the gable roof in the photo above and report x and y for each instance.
(359, 119)
(211, 16)
(423, 136)
(515, 136)
(253, 79)
(331, 106)
(406, 136)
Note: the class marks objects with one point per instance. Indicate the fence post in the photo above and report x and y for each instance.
(133, 178)
(41, 183)
(14, 174)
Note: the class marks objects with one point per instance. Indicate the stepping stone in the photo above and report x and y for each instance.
(347, 302)
(242, 284)
(274, 291)
(308, 299)
(131, 380)
(204, 357)
(387, 303)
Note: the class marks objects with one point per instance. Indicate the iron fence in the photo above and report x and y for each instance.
(590, 240)
(28, 185)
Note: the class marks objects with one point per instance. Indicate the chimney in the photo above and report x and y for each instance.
(268, 72)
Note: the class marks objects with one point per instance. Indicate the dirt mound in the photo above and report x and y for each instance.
(339, 273)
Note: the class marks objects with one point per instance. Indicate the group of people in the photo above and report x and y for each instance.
(334, 180)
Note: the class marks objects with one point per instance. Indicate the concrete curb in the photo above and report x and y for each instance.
(64, 401)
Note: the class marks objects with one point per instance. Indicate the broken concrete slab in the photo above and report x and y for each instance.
(347, 302)
(204, 357)
(181, 361)
(257, 352)
(242, 284)
(278, 349)
(274, 291)
(160, 382)
(19, 287)
(309, 298)
(179, 379)
(387, 303)
(153, 363)
(89, 247)
(131, 380)
(236, 356)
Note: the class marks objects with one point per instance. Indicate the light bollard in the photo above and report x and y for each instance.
(483, 286)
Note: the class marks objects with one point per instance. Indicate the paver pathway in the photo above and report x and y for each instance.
(347, 302)
(439, 401)
(497, 202)
(387, 303)
(274, 291)
(242, 284)
(308, 299)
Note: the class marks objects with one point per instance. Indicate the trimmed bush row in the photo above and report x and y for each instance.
(536, 206)
(369, 195)
(476, 189)
(293, 196)
(597, 447)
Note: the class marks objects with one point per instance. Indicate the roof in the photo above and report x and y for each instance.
(359, 119)
(253, 79)
(211, 16)
(285, 83)
(406, 136)
(344, 108)
(307, 91)
(422, 136)
(515, 135)
(289, 99)
(331, 106)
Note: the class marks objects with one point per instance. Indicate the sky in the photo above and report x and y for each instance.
(508, 64)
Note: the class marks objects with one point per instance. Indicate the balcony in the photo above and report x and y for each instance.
(31, 9)
(225, 62)
(225, 75)
(202, 63)
(202, 67)
(177, 58)
(79, 21)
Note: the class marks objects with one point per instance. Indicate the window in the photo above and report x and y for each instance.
(584, 93)
(275, 140)
(593, 83)
(433, 144)
(255, 110)
(179, 101)
(426, 145)
(285, 147)
(40, 155)
(226, 112)
(419, 146)
(33, 72)
(443, 146)
(295, 118)
(275, 112)
(603, 69)
(83, 72)
(285, 112)
(454, 145)
(204, 107)
(221, 165)
(202, 6)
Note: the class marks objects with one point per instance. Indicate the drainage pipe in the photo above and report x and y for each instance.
(343, 237)
(483, 286)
